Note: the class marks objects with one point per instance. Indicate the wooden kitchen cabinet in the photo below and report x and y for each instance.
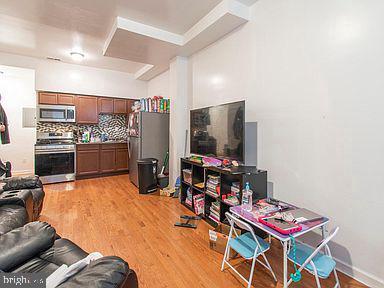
(120, 106)
(47, 98)
(87, 107)
(105, 105)
(107, 158)
(122, 159)
(95, 160)
(86, 110)
(87, 159)
(65, 99)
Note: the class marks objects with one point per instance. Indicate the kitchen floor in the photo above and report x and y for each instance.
(109, 216)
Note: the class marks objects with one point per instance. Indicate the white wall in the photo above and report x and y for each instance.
(311, 73)
(179, 78)
(17, 88)
(63, 77)
(159, 86)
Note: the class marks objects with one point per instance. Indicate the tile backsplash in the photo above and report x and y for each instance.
(112, 125)
(55, 127)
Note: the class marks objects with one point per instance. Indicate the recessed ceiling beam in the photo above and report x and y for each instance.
(147, 44)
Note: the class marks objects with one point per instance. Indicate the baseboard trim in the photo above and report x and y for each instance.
(359, 275)
(89, 176)
(23, 173)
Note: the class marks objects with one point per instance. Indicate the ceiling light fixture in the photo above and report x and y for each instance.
(77, 56)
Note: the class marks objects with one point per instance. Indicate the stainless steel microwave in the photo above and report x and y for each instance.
(56, 113)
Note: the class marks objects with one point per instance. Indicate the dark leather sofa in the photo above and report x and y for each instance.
(35, 247)
(21, 201)
(10, 186)
(12, 216)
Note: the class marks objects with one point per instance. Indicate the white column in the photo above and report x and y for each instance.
(179, 117)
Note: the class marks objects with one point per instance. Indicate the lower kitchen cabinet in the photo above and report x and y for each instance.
(95, 160)
(87, 159)
(107, 160)
(121, 159)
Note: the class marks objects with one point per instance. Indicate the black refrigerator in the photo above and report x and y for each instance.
(148, 137)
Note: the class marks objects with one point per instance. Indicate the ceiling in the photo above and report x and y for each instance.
(41, 41)
(53, 28)
(94, 17)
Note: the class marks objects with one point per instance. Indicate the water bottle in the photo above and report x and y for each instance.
(246, 200)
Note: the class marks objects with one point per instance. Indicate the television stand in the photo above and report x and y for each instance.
(227, 179)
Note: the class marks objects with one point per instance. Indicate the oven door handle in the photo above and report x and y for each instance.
(54, 152)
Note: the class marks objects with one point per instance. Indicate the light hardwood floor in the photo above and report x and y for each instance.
(108, 215)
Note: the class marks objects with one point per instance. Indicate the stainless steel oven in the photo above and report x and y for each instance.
(55, 158)
(56, 113)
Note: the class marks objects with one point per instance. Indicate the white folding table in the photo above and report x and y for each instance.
(285, 239)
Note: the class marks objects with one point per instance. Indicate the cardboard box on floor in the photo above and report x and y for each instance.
(167, 191)
(218, 239)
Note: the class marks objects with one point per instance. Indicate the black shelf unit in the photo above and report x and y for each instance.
(256, 178)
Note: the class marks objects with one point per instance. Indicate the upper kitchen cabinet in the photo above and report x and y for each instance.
(65, 99)
(119, 106)
(105, 105)
(49, 98)
(86, 110)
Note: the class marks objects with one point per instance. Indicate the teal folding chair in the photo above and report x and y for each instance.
(248, 245)
(319, 264)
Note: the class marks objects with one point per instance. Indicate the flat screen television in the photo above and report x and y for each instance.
(218, 131)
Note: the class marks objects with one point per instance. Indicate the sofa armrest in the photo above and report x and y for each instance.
(19, 183)
(12, 217)
(19, 198)
(21, 244)
(105, 272)
(23, 198)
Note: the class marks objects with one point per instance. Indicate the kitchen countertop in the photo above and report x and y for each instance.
(99, 142)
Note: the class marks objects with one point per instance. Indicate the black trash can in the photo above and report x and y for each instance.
(147, 170)
(162, 181)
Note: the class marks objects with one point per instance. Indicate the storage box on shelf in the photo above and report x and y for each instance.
(187, 176)
(221, 188)
(198, 203)
(188, 198)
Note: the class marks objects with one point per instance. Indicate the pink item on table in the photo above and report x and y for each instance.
(210, 161)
